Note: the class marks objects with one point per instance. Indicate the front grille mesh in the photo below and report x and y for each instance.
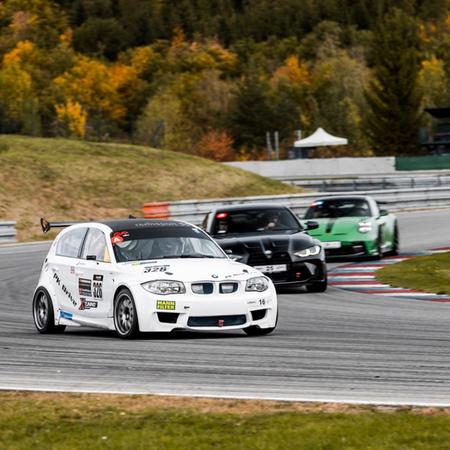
(213, 321)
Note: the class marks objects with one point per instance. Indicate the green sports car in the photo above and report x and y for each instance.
(353, 226)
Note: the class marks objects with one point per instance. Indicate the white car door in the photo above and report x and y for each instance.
(63, 266)
(95, 276)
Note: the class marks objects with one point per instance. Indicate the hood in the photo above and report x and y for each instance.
(260, 243)
(188, 270)
(338, 226)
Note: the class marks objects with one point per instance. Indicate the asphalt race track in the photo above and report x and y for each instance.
(337, 346)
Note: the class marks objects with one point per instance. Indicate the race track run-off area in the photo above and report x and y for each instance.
(339, 346)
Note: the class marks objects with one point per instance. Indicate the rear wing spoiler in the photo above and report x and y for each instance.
(46, 225)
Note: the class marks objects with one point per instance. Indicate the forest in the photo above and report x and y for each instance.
(212, 77)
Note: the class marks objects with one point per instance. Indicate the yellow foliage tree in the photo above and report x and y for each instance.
(293, 71)
(72, 117)
(103, 91)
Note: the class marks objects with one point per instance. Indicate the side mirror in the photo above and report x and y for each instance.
(91, 258)
(383, 212)
(311, 225)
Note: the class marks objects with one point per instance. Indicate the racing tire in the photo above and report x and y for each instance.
(254, 330)
(379, 243)
(43, 313)
(125, 315)
(396, 242)
(318, 286)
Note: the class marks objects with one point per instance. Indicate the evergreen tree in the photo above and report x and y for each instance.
(251, 116)
(393, 96)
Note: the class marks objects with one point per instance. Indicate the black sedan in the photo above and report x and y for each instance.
(271, 239)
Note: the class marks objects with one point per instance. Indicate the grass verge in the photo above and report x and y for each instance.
(84, 421)
(423, 273)
(76, 180)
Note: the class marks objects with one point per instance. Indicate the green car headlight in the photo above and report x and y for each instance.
(311, 251)
(364, 226)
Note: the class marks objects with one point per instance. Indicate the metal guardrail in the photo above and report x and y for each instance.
(7, 232)
(371, 183)
(194, 211)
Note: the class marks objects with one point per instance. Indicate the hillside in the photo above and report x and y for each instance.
(68, 179)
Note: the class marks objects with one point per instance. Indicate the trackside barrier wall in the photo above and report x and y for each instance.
(318, 167)
(422, 162)
(194, 211)
(158, 210)
(7, 232)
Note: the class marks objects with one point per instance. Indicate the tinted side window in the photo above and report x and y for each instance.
(69, 244)
(95, 245)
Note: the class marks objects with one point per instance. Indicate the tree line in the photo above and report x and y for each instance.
(211, 77)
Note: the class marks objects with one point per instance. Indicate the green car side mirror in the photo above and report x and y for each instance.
(383, 212)
(311, 225)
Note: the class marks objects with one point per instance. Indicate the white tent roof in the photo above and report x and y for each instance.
(320, 138)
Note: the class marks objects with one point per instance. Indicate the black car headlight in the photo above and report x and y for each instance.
(257, 284)
(311, 251)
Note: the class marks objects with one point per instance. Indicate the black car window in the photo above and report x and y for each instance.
(254, 221)
(335, 208)
(95, 245)
(69, 244)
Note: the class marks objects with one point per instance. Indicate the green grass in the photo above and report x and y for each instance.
(70, 421)
(68, 179)
(424, 273)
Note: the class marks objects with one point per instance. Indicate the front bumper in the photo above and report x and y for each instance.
(213, 312)
(352, 249)
(300, 272)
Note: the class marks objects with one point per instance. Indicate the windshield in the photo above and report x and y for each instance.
(163, 243)
(254, 221)
(336, 208)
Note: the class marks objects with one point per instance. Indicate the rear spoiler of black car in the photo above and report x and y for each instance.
(46, 225)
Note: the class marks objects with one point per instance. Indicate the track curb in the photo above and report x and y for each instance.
(360, 277)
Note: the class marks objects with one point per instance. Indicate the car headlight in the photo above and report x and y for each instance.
(311, 251)
(364, 226)
(164, 287)
(257, 284)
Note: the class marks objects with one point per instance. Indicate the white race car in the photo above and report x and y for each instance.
(148, 275)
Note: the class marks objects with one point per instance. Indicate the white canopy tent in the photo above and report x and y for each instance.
(320, 138)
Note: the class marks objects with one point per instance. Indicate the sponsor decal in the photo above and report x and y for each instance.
(85, 287)
(72, 270)
(155, 269)
(64, 289)
(165, 304)
(98, 277)
(66, 315)
(119, 236)
(87, 304)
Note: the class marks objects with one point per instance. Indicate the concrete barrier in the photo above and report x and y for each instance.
(318, 167)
